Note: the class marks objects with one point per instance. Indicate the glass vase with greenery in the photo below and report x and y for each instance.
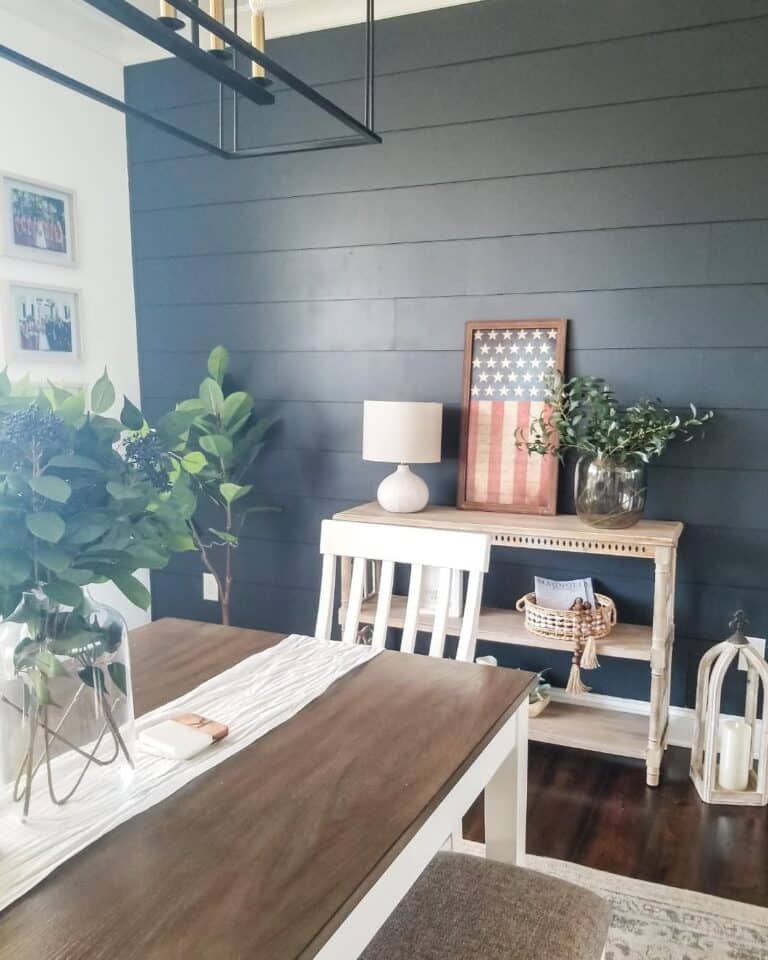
(82, 501)
(213, 440)
(614, 444)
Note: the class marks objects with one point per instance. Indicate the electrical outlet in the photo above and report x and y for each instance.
(758, 645)
(210, 587)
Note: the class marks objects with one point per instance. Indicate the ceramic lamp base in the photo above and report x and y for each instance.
(403, 492)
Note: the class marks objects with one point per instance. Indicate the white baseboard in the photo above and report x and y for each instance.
(681, 719)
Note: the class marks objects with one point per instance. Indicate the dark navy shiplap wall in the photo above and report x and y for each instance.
(607, 162)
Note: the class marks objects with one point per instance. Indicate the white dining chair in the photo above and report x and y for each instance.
(387, 546)
(462, 906)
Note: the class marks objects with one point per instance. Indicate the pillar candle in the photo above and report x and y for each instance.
(735, 754)
(167, 10)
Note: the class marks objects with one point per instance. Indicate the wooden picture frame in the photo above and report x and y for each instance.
(493, 474)
(39, 221)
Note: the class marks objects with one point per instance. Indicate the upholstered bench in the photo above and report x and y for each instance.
(467, 908)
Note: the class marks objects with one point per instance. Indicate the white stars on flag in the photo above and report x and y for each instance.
(512, 364)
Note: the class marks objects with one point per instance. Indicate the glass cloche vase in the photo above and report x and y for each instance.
(66, 708)
(609, 494)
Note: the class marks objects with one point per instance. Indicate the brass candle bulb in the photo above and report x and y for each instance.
(169, 17)
(217, 46)
(258, 40)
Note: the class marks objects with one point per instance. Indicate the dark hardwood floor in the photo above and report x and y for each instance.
(597, 811)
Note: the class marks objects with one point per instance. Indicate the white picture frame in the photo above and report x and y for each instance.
(39, 221)
(429, 587)
(42, 324)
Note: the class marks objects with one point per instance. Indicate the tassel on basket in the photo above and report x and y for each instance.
(583, 625)
(589, 659)
(575, 684)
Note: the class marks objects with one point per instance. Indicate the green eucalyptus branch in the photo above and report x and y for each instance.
(583, 414)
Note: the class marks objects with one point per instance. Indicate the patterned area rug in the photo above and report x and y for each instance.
(654, 922)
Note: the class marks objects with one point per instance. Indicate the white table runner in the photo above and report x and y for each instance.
(252, 698)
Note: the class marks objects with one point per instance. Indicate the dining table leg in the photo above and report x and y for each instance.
(506, 799)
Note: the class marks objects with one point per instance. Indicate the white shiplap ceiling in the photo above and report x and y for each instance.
(76, 20)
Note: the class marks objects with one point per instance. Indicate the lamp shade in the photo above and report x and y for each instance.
(402, 432)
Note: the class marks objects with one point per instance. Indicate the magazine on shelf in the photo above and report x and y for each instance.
(561, 594)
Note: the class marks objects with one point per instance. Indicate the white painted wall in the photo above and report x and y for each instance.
(51, 134)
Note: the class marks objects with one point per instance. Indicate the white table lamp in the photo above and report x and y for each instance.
(402, 433)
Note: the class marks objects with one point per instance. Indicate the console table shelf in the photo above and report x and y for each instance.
(627, 641)
(573, 724)
(569, 721)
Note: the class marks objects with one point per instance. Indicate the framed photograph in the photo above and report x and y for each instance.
(39, 221)
(506, 364)
(42, 323)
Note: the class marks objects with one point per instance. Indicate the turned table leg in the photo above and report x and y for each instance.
(661, 660)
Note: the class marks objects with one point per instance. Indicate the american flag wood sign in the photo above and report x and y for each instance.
(506, 364)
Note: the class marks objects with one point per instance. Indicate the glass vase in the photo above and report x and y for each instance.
(66, 706)
(609, 494)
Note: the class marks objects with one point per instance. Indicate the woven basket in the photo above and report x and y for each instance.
(568, 624)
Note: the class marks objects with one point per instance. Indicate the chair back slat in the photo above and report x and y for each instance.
(384, 603)
(355, 602)
(386, 546)
(324, 625)
(468, 635)
(410, 626)
(440, 624)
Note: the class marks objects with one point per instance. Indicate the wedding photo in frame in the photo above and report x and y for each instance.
(506, 365)
(38, 221)
(41, 323)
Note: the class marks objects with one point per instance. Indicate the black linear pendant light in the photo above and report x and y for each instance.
(242, 69)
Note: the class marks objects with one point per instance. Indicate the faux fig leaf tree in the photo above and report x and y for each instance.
(77, 507)
(213, 440)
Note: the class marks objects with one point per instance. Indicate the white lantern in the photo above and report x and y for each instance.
(723, 767)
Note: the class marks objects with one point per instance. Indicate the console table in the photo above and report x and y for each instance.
(569, 721)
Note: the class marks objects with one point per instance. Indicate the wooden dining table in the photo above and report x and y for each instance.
(300, 845)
